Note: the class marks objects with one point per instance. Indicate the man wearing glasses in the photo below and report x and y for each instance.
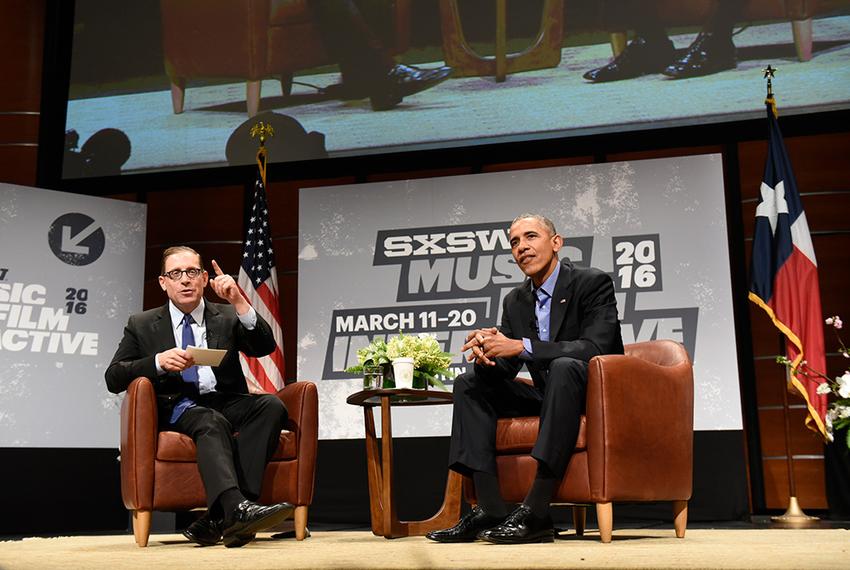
(208, 404)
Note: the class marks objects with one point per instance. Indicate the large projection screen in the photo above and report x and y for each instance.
(433, 256)
(128, 57)
(71, 272)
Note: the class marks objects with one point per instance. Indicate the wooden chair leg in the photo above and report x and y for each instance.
(579, 518)
(680, 517)
(605, 518)
(301, 522)
(252, 96)
(178, 94)
(286, 84)
(618, 42)
(802, 31)
(142, 527)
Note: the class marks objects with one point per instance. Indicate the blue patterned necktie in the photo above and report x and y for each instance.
(190, 374)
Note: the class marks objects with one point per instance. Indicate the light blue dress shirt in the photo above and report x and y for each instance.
(542, 310)
(206, 376)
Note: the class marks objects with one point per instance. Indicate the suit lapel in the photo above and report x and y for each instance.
(212, 321)
(558, 308)
(526, 312)
(163, 332)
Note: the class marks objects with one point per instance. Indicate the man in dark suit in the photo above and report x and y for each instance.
(208, 404)
(554, 323)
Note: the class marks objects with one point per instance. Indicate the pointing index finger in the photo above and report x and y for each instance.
(216, 268)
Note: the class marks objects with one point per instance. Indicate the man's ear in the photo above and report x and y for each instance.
(557, 242)
(206, 277)
(162, 282)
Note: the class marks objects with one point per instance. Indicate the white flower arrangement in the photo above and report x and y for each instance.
(430, 362)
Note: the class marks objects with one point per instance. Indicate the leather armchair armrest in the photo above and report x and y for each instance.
(302, 402)
(639, 429)
(138, 444)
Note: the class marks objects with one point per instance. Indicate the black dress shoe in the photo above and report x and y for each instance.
(404, 80)
(467, 528)
(249, 518)
(640, 57)
(204, 531)
(707, 54)
(521, 527)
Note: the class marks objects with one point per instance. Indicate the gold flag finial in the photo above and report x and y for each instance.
(769, 73)
(263, 130)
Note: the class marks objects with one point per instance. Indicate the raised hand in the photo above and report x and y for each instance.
(226, 288)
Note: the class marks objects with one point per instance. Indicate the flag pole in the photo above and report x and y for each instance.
(793, 515)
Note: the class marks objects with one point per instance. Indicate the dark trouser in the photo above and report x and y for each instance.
(479, 402)
(225, 461)
(647, 21)
(350, 42)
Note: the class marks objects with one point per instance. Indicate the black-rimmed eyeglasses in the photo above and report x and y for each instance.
(176, 274)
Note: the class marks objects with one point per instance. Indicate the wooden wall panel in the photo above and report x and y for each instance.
(18, 127)
(18, 163)
(809, 477)
(21, 43)
(803, 442)
(819, 162)
(417, 174)
(663, 153)
(532, 164)
(196, 215)
(770, 382)
(22, 46)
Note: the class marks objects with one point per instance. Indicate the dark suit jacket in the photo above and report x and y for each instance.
(151, 332)
(583, 322)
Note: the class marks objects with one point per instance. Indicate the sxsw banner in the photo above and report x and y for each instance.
(71, 272)
(433, 256)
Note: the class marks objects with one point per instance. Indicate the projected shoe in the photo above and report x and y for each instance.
(405, 80)
(641, 57)
(707, 54)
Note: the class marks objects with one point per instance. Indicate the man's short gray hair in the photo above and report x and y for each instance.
(546, 222)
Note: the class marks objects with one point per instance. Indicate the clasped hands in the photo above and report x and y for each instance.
(488, 344)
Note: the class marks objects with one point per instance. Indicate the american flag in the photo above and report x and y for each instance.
(784, 273)
(258, 281)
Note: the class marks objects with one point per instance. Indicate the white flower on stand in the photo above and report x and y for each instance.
(843, 382)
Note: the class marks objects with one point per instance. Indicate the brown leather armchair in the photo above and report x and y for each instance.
(248, 39)
(635, 442)
(677, 13)
(159, 470)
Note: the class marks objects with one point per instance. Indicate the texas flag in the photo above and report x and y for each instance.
(784, 273)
